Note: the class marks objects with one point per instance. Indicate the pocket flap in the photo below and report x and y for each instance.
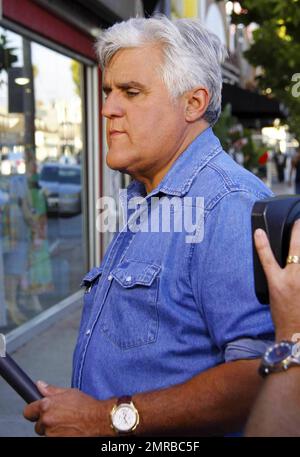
(131, 273)
(91, 276)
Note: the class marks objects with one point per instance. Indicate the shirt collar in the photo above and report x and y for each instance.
(180, 177)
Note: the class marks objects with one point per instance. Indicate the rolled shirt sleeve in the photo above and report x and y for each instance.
(246, 348)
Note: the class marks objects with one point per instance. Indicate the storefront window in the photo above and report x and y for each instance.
(41, 148)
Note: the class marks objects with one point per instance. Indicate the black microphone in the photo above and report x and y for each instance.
(18, 379)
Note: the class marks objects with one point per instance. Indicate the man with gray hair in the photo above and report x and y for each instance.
(171, 330)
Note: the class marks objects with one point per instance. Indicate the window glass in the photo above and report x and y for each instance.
(41, 148)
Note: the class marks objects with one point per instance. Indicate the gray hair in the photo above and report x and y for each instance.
(192, 54)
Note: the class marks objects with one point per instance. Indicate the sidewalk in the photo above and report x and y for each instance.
(47, 357)
(282, 189)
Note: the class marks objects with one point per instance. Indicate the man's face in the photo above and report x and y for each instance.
(145, 128)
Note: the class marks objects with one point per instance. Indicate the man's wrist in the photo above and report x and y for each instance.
(103, 417)
(287, 334)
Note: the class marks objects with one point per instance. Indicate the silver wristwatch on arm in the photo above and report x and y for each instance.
(279, 357)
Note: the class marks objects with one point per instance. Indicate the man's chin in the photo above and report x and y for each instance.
(116, 163)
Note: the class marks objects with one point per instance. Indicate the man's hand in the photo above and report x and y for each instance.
(284, 284)
(69, 412)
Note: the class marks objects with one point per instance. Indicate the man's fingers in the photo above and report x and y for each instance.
(32, 411)
(265, 254)
(39, 428)
(47, 390)
(295, 239)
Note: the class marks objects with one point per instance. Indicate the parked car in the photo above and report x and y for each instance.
(62, 187)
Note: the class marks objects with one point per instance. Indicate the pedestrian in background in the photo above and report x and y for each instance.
(296, 167)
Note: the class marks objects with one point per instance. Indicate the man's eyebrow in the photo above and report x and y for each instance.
(125, 85)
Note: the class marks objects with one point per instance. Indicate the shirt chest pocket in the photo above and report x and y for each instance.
(130, 317)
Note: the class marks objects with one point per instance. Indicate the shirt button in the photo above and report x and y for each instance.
(88, 332)
(109, 277)
(128, 279)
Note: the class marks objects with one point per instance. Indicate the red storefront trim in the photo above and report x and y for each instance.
(43, 22)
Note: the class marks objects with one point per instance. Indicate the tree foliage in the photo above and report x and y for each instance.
(235, 138)
(76, 75)
(276, 49)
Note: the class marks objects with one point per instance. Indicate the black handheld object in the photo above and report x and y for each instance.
(18, 379)
(276, 217)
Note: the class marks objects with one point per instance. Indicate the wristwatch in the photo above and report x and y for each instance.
(124, 416)
(279, 357)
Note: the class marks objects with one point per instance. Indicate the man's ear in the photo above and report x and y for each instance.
(197, 101)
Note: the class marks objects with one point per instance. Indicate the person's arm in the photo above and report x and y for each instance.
(291, 172)
(276, 411)
(215, 402)
(295, 161)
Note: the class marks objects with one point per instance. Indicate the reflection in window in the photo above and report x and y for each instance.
(41, 147)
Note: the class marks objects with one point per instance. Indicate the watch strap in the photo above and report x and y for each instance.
(124, 399)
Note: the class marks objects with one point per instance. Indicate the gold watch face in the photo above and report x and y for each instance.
(124, 417)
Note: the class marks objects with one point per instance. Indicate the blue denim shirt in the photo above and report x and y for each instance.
(160, 310)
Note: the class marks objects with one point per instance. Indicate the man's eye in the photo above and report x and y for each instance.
(132, 93)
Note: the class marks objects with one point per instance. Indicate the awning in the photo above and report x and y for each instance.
(251, 106)
(111, 11)
(149, 7)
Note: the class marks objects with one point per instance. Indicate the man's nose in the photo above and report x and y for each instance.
(112, 107)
